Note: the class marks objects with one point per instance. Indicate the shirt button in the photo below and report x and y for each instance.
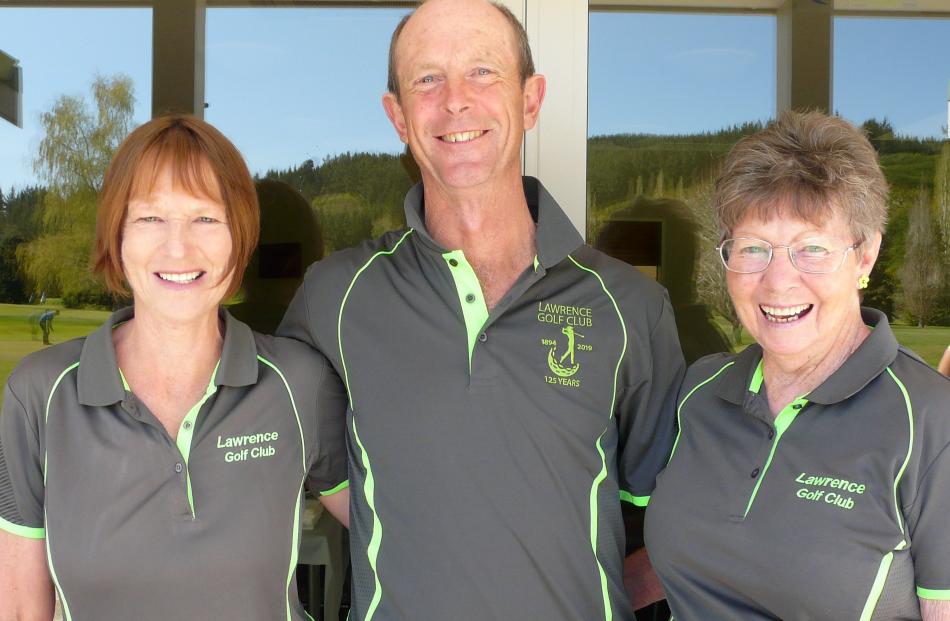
(470, 298)
(178, 468)
(755, 473)
(187, 424)
(771, 433)
(482, 337)
(453, 263)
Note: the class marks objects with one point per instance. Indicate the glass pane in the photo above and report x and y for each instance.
(890, 76)
(303, 104)
(47, 210)
(670, 93)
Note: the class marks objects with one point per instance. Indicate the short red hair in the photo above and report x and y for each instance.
(203, 162)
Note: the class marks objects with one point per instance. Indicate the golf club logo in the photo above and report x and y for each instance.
(555, 363)
(565, 351)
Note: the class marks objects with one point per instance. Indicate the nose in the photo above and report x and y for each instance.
(780, 271)
(177, 238)
(457, 94)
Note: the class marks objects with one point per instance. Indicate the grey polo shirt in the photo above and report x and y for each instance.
(836, 509)
(489, 449)
(139, 526)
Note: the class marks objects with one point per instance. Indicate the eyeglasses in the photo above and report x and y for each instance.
(815, 255)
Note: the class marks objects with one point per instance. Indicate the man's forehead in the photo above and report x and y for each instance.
(464, 51)
(469, 29)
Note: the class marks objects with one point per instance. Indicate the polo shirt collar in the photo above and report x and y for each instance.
(868, 361)
(238, 365)
(98, 375)
(737, 378)
(555, 236)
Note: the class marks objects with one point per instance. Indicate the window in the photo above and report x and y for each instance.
(107, 47)
(890, 76)
(669, 94)
(303, 104)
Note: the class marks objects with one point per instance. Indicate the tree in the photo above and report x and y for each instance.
(344, 218)
(922, 274)
(878, 131)
(78, 143)
(19, 219)
(22, 212)
(942, 195)
(12, 287)
(711, 287)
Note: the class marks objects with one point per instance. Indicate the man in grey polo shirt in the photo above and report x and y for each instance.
(508, 385)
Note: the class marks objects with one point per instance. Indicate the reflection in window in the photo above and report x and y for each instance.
(891, 77)
(669, 96)
(86, 84)
(303, 104)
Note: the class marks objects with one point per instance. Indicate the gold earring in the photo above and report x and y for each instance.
(863, 281)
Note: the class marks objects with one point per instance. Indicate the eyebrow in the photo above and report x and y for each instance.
(482, 57)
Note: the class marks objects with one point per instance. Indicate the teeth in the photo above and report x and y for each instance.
(783, 314)
(179, 278)
(462, 136)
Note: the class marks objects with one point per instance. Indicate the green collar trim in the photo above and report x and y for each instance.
(782, 422)
(125, 382)
(757, 378)
(869, 361)
(186, 432)
(471, 299)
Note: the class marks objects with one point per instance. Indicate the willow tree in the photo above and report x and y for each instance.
(79, 138)
(922, 273)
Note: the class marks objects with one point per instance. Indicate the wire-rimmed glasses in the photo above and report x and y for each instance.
(814, 255)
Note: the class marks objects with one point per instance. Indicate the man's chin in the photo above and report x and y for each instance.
(460, 178)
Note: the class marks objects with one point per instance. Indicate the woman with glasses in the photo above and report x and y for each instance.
(810, 478)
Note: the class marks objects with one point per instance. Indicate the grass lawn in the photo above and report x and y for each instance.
(928, 343)
(20, 336)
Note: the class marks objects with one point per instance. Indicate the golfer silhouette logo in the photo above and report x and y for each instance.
(557, 364)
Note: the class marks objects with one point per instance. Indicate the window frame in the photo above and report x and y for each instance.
(556, 150)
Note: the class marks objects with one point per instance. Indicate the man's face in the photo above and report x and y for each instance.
(462, 108)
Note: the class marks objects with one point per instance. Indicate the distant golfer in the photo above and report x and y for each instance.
(46, 323)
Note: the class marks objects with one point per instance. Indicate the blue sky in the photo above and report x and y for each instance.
(288, 84)
(663, 73)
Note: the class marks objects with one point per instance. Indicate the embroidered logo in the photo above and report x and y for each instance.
(840, 493)
(557, 364)
(562, 349)
(247, 447)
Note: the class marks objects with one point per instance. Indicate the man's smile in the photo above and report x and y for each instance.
(463, 136)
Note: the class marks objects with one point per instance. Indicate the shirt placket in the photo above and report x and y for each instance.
(181, 447)
(475, 311)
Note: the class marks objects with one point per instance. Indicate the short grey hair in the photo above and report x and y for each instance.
(525, 60)
(807, 165)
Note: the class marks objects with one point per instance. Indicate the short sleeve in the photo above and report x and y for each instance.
(646, 410)
(21, 471)
(328, 473)
(929, 532)
(296, 321)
